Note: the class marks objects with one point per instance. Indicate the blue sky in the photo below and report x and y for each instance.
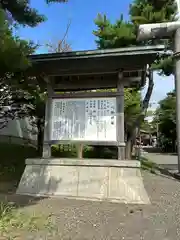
(82, 14)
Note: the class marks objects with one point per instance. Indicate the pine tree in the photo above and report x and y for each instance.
(152, 11)
(21, 12)
(123, 34)
(165, 118)
(13, 58)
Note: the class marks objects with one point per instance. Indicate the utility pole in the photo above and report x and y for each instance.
(178, 9)
(177, 79)
(177, 88)
(164, 30)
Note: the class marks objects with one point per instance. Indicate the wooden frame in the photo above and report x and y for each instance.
(119, 95)
(81, 96)
(85, 95)
(98, 143)
(106, 67)
(47, 144)
(120, 116)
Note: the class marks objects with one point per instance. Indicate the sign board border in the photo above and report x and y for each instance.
(87, 142)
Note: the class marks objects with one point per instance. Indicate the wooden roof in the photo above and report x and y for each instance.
(94, 64)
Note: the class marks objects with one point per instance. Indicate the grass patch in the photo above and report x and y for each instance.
(146, 164)
(14, 222)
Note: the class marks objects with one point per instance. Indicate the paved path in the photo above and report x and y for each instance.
(85, 220)
(165, 160)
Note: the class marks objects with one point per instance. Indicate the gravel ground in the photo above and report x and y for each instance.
(85, 220)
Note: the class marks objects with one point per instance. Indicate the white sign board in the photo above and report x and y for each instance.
(84, 119)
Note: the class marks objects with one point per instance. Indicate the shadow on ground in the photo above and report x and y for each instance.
(8, 191)
(8, 195)
(19, 201)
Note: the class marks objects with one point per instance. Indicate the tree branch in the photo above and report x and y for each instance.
(62, 45)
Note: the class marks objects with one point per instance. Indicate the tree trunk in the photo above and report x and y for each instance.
(140, 118)
(40, 136)
(129, 145)
(128, 150)
(173, 145)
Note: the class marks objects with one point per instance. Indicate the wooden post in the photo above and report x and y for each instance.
(80, 151)
(46, 146)
(120, 117)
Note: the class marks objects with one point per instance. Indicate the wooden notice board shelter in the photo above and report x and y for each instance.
(72, 80)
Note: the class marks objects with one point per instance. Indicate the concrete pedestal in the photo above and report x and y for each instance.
(110, 180)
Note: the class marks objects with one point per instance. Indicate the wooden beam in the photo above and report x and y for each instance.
(87, 66)
(98, 143)
(79, 150)
(85, 84)
(85, 95)
(120, 117)
(47, 127)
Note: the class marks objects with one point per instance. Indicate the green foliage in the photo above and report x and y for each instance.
(123, 33)
(150, 113)
(13, 51)
(146, 126)
(166, 118)
(120, 34)
(13, 61)
(148, 165)
(151, 11)
(20, 11)
(132, 106)
(25, 95)
(164, 65)
(14, 222)
(65, 151)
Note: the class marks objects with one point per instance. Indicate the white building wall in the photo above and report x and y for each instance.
(19, 128)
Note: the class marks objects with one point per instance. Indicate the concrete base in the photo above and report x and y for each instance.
(110, 180)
